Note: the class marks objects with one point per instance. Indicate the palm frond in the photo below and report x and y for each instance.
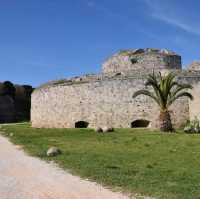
(167, 82)
(180, 95)
(180, 87)
(147, 93)
(165, 89)
(154, 80)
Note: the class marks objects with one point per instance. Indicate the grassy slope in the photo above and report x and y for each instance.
(150, 163)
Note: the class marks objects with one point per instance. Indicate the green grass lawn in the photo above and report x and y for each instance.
(132, 160)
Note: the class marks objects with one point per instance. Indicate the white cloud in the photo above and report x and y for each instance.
(171, 15)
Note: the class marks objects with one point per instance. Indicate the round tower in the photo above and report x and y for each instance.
(195, 66)
(137, 59)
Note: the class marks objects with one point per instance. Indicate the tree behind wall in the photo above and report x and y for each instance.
(15, 102)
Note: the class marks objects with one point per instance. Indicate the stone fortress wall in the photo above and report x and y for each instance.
(106, 99)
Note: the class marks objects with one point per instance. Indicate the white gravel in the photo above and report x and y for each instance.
(24, 177)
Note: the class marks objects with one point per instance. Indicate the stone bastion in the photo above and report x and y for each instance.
(105, 99)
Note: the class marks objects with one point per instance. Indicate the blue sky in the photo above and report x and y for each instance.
(42, 40)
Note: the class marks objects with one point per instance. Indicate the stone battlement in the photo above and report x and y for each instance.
(138, 74)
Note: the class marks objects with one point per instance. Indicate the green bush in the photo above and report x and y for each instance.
(192, 126)
(7, 88)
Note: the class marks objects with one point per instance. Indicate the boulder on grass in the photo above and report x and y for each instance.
(188, 129)
(53, 151)
(197, 130)
(98, 130)
(107, 129)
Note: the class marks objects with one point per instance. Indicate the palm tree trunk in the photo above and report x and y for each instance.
(165, 121)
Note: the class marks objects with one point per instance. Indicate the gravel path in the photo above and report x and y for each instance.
(24, 177)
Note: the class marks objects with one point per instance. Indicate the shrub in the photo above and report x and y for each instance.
(192, 126)
(7, 88)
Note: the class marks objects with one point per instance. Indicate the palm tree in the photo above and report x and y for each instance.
(166, 90)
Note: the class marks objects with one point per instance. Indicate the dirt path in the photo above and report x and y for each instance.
(24, 177)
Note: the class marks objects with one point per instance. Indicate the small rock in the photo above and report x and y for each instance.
(99, 130)
(188, 129)
(197, 130)
(172, 150)
(110, 129)
(107, 129)
(53, 151)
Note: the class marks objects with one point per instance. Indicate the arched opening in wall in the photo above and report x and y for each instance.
(140, 124)
(134, 61)
(81, 124)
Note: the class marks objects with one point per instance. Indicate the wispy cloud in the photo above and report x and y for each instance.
(170, 14)
(179, 23)
(120, 17)
(104, 9)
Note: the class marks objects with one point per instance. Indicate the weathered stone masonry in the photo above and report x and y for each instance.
(106, 99)
(142, 59)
